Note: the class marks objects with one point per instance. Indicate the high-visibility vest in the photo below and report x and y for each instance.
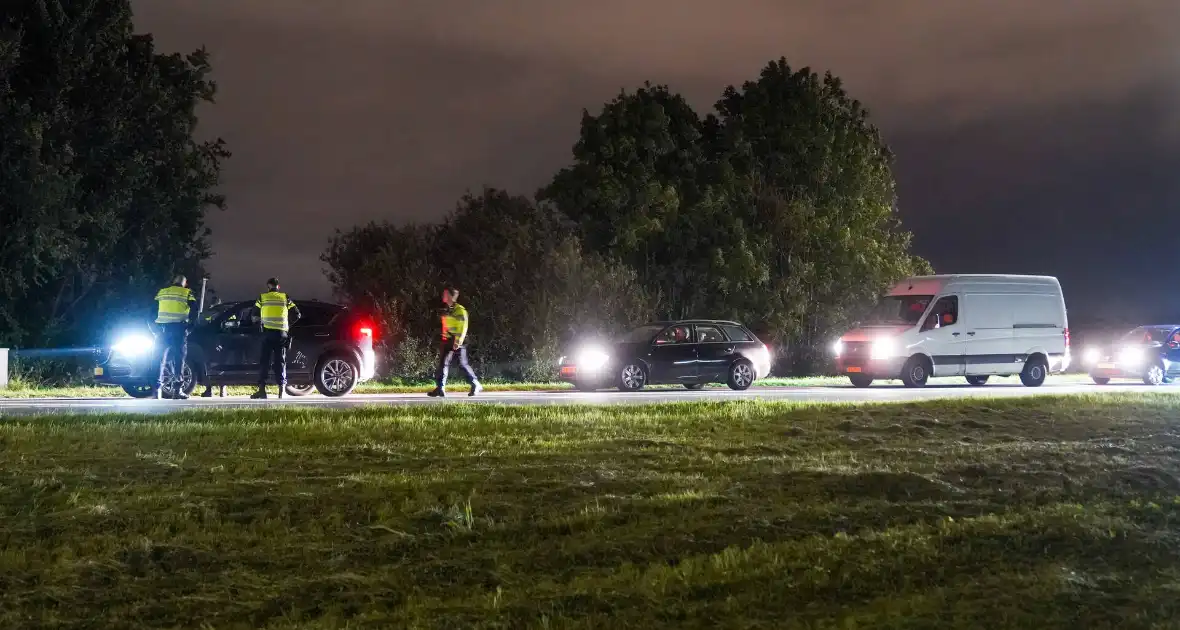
(273, 306)
(175, 305)
(454, 324)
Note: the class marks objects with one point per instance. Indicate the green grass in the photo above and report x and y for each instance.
(1048, 512)
(93, 391)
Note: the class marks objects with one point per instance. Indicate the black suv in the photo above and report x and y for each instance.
(331, 351)
(688, 352)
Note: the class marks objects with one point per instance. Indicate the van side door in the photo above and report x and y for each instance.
(988, 325)
(942, 337)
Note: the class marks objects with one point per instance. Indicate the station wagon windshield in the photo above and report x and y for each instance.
(898, 310)
(1147, 335)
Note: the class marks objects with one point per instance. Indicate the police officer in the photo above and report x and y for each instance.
(277, 312)
(454, 333)
(175, 317)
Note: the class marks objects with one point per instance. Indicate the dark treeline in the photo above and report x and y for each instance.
(778, 209)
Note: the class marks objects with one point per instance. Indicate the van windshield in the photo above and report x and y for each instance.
(898, 310)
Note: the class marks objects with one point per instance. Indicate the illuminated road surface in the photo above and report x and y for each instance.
(884, 393)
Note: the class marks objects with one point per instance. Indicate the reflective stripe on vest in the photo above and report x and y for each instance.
(454, 322)
(174, 305)
(273, 307)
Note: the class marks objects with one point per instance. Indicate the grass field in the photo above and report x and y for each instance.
(20, 390)
(1034, 513)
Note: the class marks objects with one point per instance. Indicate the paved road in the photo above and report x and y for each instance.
(809, 394)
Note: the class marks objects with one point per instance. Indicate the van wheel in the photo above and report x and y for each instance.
(1101, 380)
(336, 375)
(860, 380)
(977, 381)
(1154, 375)
(1034, 373)
(915, 372)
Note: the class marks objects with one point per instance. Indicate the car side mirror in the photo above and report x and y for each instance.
(230, 325)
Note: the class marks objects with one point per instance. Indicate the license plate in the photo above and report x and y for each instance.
(1106, 366)
(98, 371)
(569, 369)
(853, 370)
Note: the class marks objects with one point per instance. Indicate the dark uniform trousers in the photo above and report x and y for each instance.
(274, 356)
(174, 349)
(445, 354)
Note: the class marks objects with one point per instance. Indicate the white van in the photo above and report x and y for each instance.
(975, 326)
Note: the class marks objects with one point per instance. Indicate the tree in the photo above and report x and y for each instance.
(103, 188)
(519, 267)
(779, 210)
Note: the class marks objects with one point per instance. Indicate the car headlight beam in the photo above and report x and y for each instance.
(884, 348)
(1092, 355)
(133, 345)
(592, 359)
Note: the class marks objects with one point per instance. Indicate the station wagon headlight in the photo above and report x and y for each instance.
(1131, 356)
(133, 345)
(884, 348)
(1092, 355)
(592, 358)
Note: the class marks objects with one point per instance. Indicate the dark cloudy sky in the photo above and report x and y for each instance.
(1038, 136)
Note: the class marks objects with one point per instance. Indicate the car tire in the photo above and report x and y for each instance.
(915, 372)
(336, 375)
(1154, 375)
(632, 376)
(1101, 380)
(694, 386)
(977, 381)
(188, 379)
(1035, 371)
(300, 390)
(140, 391)
(860, 380)
(741, 375)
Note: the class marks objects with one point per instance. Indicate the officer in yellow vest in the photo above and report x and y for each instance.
(454, 333)
(278, 312)
(175, 317)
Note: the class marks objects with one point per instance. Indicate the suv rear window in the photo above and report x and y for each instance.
(313, 314)
(735, 333)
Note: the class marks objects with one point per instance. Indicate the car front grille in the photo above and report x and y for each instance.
(856, 351)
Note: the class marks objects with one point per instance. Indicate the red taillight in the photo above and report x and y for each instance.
(1067, 337)
(365, 332)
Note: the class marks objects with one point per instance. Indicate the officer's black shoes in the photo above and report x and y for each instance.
(259, 395)
(475, 388)
(437, 392)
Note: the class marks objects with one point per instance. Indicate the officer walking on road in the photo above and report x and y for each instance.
(273, 307)
(175, 317)
(454, 333)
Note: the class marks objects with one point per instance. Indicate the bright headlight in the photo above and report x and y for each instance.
(133, 345)
(1131, 356)
(838, 347)
(1092, 355)
(592, 358)
(884, 348)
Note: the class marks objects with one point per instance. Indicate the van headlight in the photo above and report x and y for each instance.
(884, 348)
(837, 348)
(133, 345)
(592, 358)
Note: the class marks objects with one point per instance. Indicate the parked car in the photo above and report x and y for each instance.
(1149, 353)
(331, 351)
(692, 353)
(976, 326)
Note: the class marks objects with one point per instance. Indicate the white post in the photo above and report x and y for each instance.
(3, 368)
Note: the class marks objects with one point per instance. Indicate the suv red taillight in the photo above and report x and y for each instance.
(1067, 338)
(364, 332)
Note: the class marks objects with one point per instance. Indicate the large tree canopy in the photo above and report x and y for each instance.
(779, 210)
(103, 188)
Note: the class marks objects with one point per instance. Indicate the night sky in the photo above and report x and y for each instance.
(1032, 137)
